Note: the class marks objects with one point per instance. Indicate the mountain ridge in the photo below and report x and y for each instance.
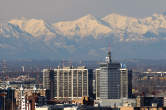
(88, 36)
(89, 25)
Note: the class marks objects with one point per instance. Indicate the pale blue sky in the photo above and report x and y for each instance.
(56, 10)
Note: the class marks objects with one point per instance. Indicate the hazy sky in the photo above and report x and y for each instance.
(56, 10)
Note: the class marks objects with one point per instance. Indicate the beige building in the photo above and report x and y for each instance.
(67, 82)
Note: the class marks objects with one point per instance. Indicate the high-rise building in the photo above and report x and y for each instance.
(66, 82)
(130, 76)
(113, 80)
(124, 82)
(46, 79)
(91, 83)
(48, 82)
(109, 79)
(7, 99)
(97, 81)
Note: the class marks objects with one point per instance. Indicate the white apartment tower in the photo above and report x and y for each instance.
(67, 82)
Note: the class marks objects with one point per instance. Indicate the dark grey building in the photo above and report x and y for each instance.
(130, 77)
(113, 80)
(7, 99)
(124, 82)
(97, 83)
(109, 79)
(48, 82)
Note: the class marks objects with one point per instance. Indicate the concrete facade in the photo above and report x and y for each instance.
(68, 82)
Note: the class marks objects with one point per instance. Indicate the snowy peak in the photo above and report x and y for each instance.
(35, 27)
(134, 27)
(118, 21)
(11, 30)
(156, 21)
(122, 27)
(85, 26)
(87, 36)
(123, 23)
(88, 17)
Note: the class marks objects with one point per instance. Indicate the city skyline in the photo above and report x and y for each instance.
(52, 54)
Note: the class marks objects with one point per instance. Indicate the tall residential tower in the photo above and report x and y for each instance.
(67, 82)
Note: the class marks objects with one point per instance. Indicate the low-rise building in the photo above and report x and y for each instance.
(116, 102)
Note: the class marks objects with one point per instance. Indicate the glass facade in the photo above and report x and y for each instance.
(110, 81)
(113, 80)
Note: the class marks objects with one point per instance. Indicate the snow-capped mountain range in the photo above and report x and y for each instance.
(86, 36)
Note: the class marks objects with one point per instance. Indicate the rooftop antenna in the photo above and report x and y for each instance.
(109, 51)
(70, 63)
(80, 62)
(63, 63)
(108, 58)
